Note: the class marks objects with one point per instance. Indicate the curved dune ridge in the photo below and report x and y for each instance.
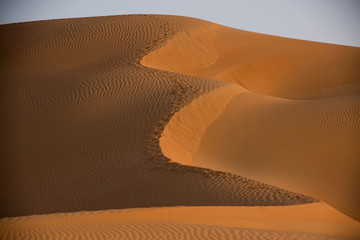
(309, 147)
(83, 121)
(269, 65)
(305, 146)
(181, 137)
(310, 221)
(115, 112)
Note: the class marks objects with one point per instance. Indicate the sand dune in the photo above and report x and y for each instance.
(181, 137)
(306, 146)
(121, 112)
(276, 140)
(310, 221)
(269, 65)
(83, 120)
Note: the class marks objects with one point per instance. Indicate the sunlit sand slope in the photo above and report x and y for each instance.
(310, 221)
(181, 137)
(294, 123)
(305, 146)
(82, 119)
(309, 146)
(282, 67)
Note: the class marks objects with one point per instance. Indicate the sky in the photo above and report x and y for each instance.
(332, 21)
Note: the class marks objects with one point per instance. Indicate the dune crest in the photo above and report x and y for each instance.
(83, 119)
(181, 137)
(186, 50)
(288, 147)
(269, 65)
(116, 112)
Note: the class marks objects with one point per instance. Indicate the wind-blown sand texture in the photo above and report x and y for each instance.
(308, 221)
(124, 111)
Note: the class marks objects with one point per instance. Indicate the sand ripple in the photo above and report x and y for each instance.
(83, 120)
(312, 221)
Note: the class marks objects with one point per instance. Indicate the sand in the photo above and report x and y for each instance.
(309, 221)
(119, 112)
(309, 146)
(269, 65)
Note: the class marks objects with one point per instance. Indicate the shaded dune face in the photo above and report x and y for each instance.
(292, 120)
(82, 120)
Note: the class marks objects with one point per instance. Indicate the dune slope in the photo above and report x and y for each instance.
(309, 221)
(294, 122)
(82, 120)
(269, 65)
(309, 147)
(152, 111)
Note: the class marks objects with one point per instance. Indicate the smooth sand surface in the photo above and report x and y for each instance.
(269, 65)
(294, 124)
(309, 221)
(116, 112)
(309, 146)
(181, 137)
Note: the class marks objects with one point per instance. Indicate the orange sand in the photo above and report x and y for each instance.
(294, 122)
(309, 221)
(110, 112)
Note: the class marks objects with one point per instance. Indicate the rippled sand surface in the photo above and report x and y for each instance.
(149, 111)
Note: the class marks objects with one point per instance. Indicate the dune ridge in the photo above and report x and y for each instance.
(304, 147)
(113, 112)
(268, 65)
(181, 137)
(83, 119)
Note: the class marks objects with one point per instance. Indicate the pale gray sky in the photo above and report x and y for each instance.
(333, 21)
